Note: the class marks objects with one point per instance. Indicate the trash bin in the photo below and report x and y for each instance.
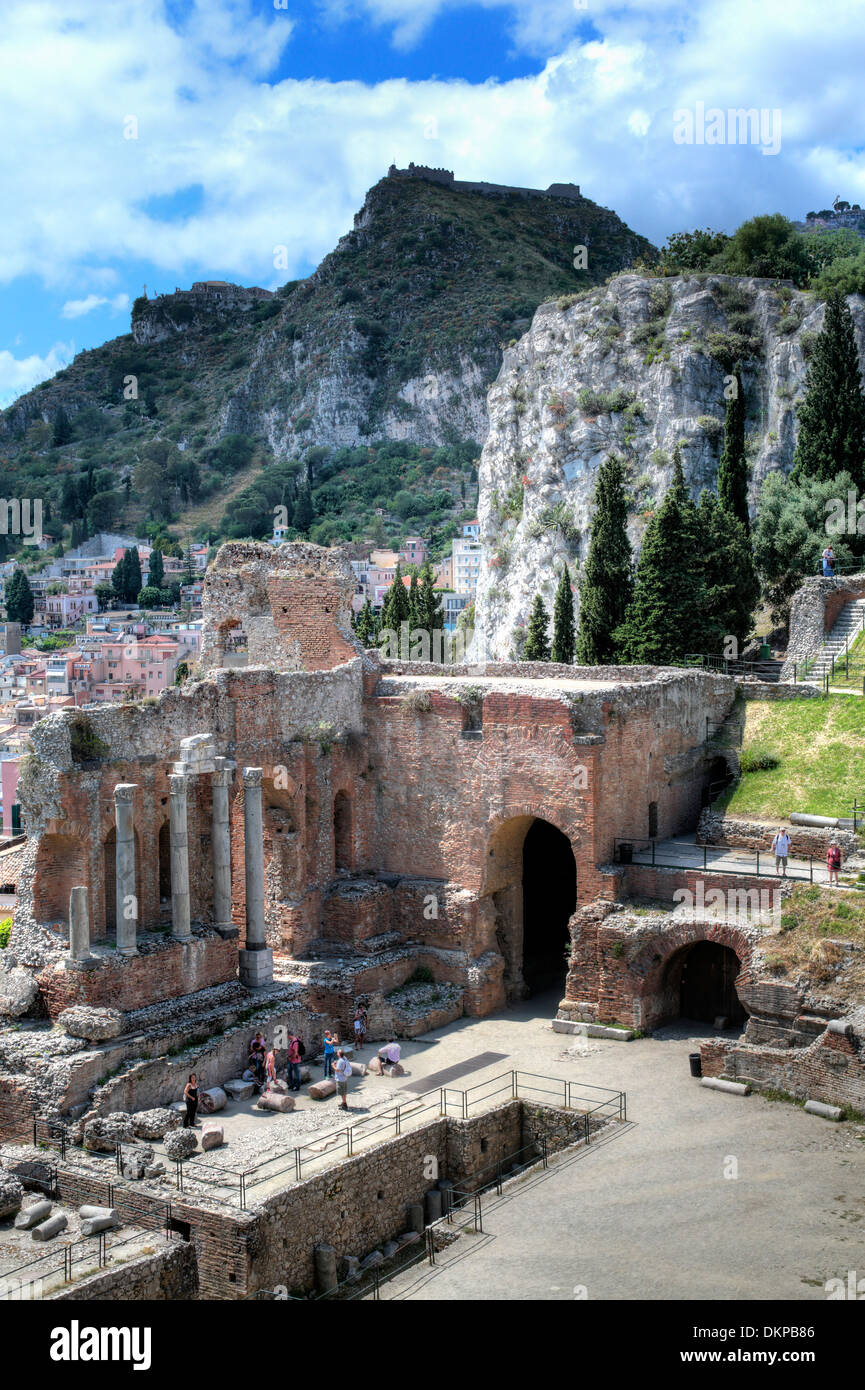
(696, 1064)
(626, 852)
(765, 651)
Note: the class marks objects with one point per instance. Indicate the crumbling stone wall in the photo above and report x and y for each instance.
(169, 1275)
(813, 611)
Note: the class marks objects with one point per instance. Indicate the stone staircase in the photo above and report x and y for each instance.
(849, 622)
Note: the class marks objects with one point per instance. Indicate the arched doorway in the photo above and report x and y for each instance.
(549, 900)
(700, 983)
(531, 877)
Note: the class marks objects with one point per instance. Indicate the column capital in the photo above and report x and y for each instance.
(178, 783)
(252, 776)
(125, 791)
(222, 776)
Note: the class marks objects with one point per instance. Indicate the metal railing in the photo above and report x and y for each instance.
(754, 670)
(236, 1185)
(745, 864)
(60, 1264)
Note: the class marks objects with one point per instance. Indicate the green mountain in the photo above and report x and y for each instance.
(368, 380)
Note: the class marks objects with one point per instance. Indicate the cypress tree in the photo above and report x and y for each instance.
(537, 646)
(395, 609)
(831, 418)
(428, 603)
(62, 429)
(667, 615)
(732, 587)
(365, 625)
(19, 599)
(133, 574)
(607, 581)
(733, 467)
(304, 511)
(413, 609)
(563, 621)
(156, 571)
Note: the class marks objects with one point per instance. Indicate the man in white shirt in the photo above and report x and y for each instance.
(780, 849)
(341, 1074)
(389, 1055)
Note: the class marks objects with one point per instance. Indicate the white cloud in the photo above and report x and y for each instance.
(287, 162)
(77, 308)
(18, 374)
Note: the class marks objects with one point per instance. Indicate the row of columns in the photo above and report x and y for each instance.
(256, 958)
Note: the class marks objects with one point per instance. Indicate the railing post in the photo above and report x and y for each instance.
(811, 868)
(442, 1107)
(479, 1213)
(348, 1142)
(565, 1085)
(430, 1246)
(758, 863)
(102, 1250)
(544, 1149)
(375, 1284)
(243, 1191)
(398, 1120)
(179, 1174)
(515, 1085)
(465, 1105)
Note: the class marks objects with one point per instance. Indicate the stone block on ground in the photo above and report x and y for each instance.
(135, 1162)
(393, 1069)
(277, 1086)
(211, 1100)
(320, 1090)
(33, 1215)
(275, 1100)
(212, 1137)
(155, 1170)
(155, 1124)
(351, 1268)
(18, 991)
(47, 1230)
(827, 1112)
(180, 1143)
(358, 1069)
(407, 1238)
(389, 1249)
(93, 1024)
(375, 1066)
(105, 1132)
(305, 1074)
(11, 1195)
(239, 1089)
(375, 1257)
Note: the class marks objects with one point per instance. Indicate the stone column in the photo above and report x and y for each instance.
(221, 831)
(180, 928)
(79, 957)
(256, 959)
(127, 902)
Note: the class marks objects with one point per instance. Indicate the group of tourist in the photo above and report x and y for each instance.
(781, 845)
(261, 1064)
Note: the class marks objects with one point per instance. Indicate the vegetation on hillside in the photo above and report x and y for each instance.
(819, 749)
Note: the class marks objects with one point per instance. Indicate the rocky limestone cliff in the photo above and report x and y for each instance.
(636, 366)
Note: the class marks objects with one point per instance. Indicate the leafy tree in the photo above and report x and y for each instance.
(691, 250)
(563, 621)
(844, 276)
(537, 646)
(19, 599)
(733, 467)
(102, 510)
(607, 580)
(181, 673)
(667, 615)
(105, 593)
(732, 587)
(69, 505)
(831, 418)
(768, 246)
(792, 529)
(150, 596)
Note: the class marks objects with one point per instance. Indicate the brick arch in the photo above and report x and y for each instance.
(62, 863)
(653, 964)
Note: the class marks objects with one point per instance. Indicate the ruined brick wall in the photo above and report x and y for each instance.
(162, 970)
(831, 1069)
(169, 1275)
(291, 602)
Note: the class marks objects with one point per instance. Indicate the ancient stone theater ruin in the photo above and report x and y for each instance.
(305, 823)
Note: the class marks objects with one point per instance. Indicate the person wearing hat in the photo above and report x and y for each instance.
(833, 861)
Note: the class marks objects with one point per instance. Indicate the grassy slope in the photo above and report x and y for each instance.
(821, 748)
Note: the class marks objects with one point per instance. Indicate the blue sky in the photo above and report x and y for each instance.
(163, 141)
